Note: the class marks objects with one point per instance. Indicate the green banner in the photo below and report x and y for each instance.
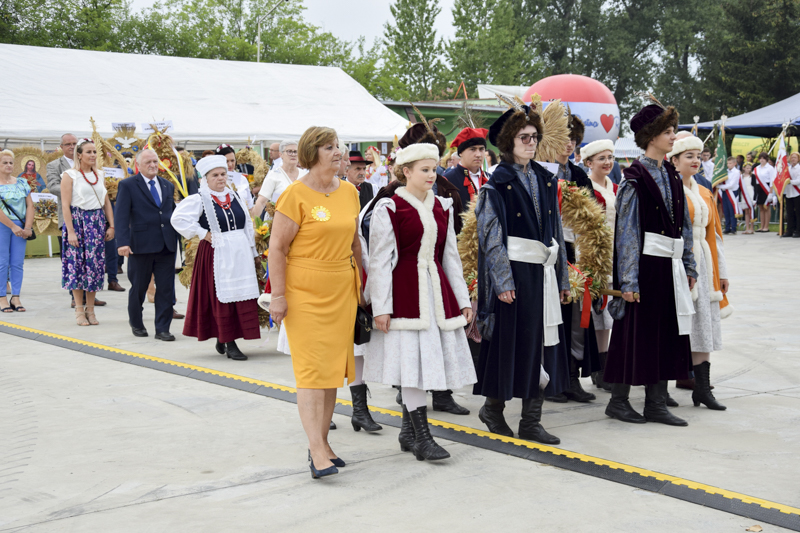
(720, 162)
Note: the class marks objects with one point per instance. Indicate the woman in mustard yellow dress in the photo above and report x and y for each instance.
(314, 265)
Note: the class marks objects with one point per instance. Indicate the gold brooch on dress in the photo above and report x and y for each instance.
(321, 214)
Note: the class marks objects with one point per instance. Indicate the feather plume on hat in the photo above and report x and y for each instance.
(556, 132)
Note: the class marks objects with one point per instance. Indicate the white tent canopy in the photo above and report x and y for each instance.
(206, 100)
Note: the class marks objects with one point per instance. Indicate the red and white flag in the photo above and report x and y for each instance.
(782, 169)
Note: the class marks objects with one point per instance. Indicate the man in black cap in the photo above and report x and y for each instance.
(654, 268)
(357, 175)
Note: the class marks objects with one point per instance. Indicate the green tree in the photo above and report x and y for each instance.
(413, 50)
(85, 24)
(489, 45)
(750, 57)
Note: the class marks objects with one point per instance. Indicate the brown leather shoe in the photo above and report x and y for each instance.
(176, 315)
(115, 286)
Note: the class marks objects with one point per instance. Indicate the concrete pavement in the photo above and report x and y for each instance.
(113, 447)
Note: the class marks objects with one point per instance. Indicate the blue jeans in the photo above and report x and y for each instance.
(12, 255)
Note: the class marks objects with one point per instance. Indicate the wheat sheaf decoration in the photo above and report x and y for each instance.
(593, 238)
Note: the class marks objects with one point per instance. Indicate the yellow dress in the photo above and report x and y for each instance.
(322, 284)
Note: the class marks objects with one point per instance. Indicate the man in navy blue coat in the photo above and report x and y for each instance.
(146, 237)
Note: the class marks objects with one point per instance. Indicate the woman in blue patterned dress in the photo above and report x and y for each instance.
(88, 222)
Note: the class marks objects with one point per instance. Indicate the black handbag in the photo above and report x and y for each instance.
(363, 326)
(21, 219)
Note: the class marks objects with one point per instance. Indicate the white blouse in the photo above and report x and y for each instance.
(789, 189)
(84, 195)
(276, 182)
(186, 216)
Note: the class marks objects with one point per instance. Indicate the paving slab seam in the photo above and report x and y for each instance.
(698, 493)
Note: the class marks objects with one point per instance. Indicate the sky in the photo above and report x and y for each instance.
(348, 19)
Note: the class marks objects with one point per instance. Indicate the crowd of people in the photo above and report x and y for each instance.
(352, 236)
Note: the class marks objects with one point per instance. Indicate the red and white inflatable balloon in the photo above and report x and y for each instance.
(589, 99)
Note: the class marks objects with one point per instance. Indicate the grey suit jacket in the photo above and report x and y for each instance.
(54, 171)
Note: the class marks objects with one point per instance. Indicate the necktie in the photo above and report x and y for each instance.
(154, 192)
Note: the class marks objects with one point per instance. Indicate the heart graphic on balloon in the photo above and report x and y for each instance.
(607, 121)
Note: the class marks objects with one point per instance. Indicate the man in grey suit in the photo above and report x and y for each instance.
(55, 169)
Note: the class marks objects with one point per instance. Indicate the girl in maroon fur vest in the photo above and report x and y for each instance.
(418, 296)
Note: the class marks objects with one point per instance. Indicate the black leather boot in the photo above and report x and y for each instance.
(220, 347)
(530, 427)
(702, 389)
(399, 397)
(424, 445)
(443, 401)
(332, 426)
(671, 402)
(406, 436)
(361, 418)
(575, 391)
(234, 352)
(620, 408)
(491, 414)
(558, 398)
(655, 406)
(597, 377)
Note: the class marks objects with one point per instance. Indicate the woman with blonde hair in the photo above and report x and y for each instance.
(16, 220)
(88, 222)
(314, 269)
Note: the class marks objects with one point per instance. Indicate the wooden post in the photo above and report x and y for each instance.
(780, 217)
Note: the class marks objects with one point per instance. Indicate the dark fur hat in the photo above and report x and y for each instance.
(505, 128)
(651, 122)
(576, 129)
(419, 133)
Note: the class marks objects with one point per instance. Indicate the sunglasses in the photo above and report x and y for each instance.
(527, 139)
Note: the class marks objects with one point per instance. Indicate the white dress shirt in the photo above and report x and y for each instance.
(158, 186)
(708, 168)
(732, 183)
(794, 172)
(69, 161)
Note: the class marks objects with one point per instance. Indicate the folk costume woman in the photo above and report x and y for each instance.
(521, 267)
(222, 297)
(580, 343)
(419, 298)
(654, 267)
(598, 156)
(237, 181)
(712, 278)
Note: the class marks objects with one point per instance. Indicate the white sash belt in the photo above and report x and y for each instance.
(662, 246)
(532, 251)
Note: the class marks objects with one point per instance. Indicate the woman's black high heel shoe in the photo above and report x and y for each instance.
(336, 462)
(316, 474)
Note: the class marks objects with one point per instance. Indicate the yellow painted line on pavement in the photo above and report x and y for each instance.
(448, 425)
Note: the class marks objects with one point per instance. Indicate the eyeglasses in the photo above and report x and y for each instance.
(526, 138)
(291, 152)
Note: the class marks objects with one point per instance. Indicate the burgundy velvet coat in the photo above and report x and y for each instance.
(645, 345)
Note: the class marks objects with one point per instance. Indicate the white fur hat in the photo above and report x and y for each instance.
(210, 162)
(690, 142)
(595, 147)
(415, 152)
